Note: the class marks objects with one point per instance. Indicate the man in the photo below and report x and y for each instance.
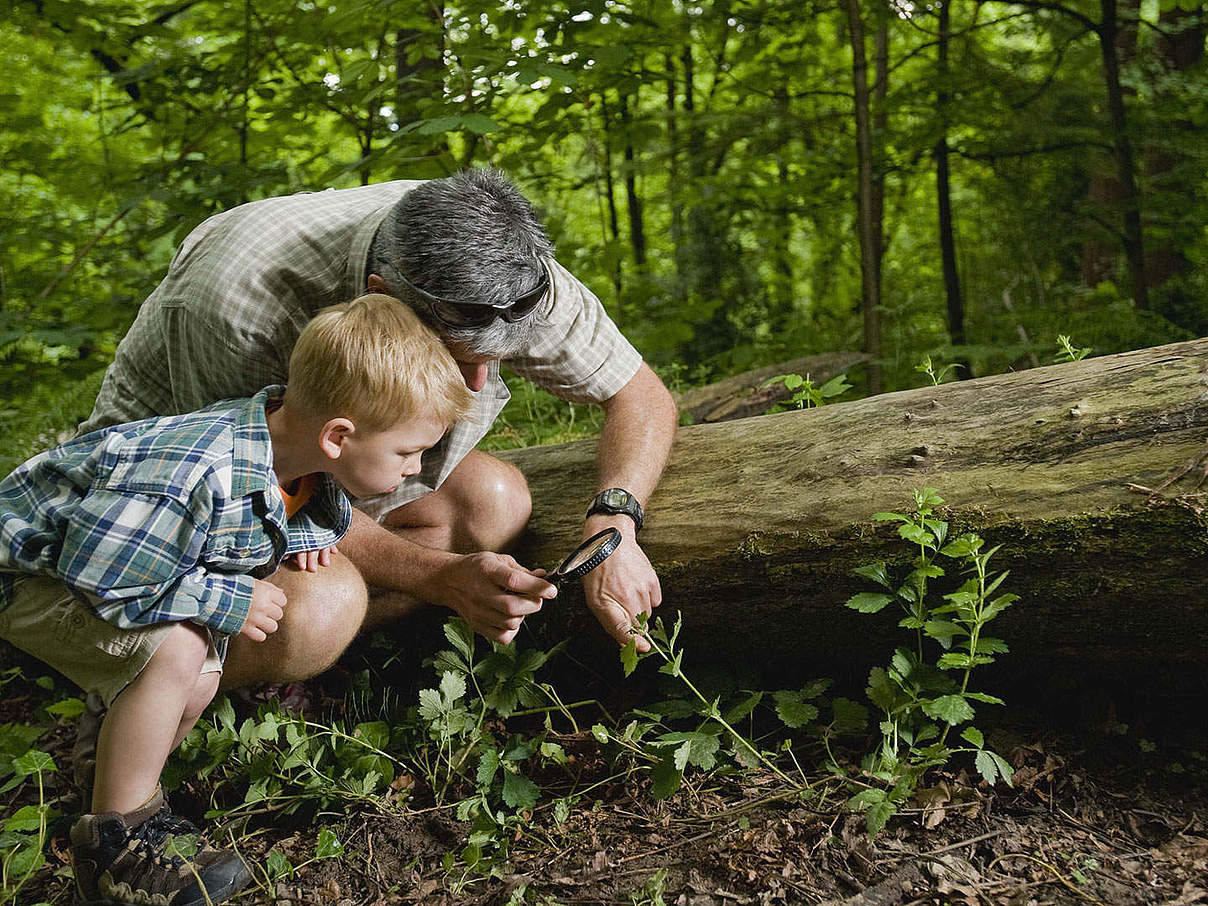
(470, 256)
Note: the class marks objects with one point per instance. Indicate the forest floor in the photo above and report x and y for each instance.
(1092, 819)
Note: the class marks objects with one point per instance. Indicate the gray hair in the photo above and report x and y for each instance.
(471, 237)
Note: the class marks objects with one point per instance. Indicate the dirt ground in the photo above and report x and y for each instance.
(1100, 819)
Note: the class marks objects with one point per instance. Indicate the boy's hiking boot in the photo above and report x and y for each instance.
(135, 860)
(83, 753)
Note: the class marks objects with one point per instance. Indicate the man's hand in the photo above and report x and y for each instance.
(492, 593)
(624, 585)
(265, 612)
(310, 561)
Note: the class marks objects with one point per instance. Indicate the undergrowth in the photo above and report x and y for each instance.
(492, 745)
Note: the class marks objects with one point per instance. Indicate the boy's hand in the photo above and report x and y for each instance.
(493, 593)
(266, 610)
(310, 561)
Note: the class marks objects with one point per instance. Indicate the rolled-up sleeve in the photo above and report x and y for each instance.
(580, 354)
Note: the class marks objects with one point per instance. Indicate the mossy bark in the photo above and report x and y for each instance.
(758, 523)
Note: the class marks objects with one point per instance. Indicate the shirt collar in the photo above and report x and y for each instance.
(252, 451)
(358, 252)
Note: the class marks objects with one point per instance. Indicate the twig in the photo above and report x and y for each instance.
(1051, 869)
(663, 849)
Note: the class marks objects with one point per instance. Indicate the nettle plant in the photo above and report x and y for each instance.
(805, 394)
(922, 700)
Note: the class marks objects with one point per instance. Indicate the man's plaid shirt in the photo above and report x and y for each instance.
(163, 519)
(243, 284)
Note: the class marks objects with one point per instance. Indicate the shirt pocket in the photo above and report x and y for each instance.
(239, 548)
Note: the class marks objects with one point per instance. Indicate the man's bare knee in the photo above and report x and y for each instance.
(323, 613)
(483, 505)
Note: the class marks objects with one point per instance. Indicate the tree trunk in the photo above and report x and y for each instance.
(943, 187)
(880, 126)
(869, 243)
(633, 201)
(1125, 172)
(1172, 171)
(610, 197)
(673, 171)
(758, 523)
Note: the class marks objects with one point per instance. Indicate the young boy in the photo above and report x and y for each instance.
(129, 556)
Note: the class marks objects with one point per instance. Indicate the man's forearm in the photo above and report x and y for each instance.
(388, 561)
(639, 428)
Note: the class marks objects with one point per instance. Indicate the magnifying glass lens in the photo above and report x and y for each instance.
(587, 556)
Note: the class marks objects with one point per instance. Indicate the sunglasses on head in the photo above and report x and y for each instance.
(467, 314)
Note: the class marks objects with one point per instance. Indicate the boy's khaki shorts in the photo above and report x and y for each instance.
(45, 620)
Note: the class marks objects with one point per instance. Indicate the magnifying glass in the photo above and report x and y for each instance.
(587, 556)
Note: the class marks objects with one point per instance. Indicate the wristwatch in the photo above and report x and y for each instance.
(617, 500)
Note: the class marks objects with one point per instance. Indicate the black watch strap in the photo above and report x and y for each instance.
(614, 501)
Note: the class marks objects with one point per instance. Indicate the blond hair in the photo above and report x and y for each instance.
(374, 361)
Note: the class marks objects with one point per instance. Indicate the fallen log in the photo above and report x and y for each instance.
(759, 523)
(746, 394)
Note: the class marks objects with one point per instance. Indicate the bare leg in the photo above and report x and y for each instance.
(323, 613)
(144, 722)
(482, 506)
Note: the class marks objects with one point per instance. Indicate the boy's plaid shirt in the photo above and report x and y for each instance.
(163, 519)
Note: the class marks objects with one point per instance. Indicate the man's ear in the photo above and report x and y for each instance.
(333, 435)
(376, 284)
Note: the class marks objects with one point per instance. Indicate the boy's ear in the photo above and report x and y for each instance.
(333, 435)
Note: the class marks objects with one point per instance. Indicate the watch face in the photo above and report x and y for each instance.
(615, 497)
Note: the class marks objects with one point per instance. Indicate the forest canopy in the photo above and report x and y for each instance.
(740, 182)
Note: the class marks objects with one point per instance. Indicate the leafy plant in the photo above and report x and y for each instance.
(23, 835)
(923, 700)
(1069, 352)
(805, 394)
(936, 377)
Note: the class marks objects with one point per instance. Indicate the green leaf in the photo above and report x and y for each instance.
(987, 645)
(518, 791)
(629, 655)
(878, 815)
(600, 733)
(666, 777)
(998, 605)
(868, 602)
(881, 690)
(329, 845)
(461, 637)
(875, 572)
(375, 734)
(866, 799)
(983, 697)
(743, 708)
(986, 766)
(452, 687)
(1004, 769)
(943, 631)
(488, 764)
(850, 716)
(791, 710)
(430, 705)
(973, 736)
(26, 818)
(68, 707)
(952, 709)
(33, 762)
(277, 865)
(915, 534)
(554, 752)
